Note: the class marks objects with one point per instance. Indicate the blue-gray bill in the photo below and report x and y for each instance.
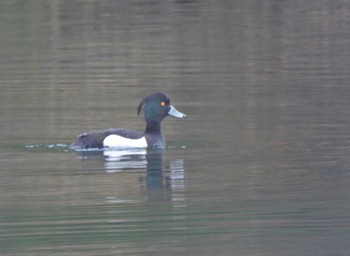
(175, 113)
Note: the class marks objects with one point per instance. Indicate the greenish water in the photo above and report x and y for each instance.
(260, 165)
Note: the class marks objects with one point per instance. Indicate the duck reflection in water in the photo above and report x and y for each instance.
(149, 159)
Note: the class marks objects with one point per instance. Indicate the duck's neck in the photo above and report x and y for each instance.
(153, 127)
(154, 135)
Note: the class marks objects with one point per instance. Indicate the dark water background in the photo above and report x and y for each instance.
(260, 167)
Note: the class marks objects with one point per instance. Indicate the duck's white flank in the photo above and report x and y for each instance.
(116, 141)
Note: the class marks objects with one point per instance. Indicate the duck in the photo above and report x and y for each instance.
(155, 106)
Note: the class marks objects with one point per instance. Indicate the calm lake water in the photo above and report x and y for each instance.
(260, 167)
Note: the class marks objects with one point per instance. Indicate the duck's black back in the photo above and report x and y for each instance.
(95, 139)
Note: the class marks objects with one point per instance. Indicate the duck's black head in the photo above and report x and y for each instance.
(156, 107)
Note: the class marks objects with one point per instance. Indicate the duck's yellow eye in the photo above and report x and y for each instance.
(162, 103)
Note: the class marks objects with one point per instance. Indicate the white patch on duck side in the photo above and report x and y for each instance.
(116, 141)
